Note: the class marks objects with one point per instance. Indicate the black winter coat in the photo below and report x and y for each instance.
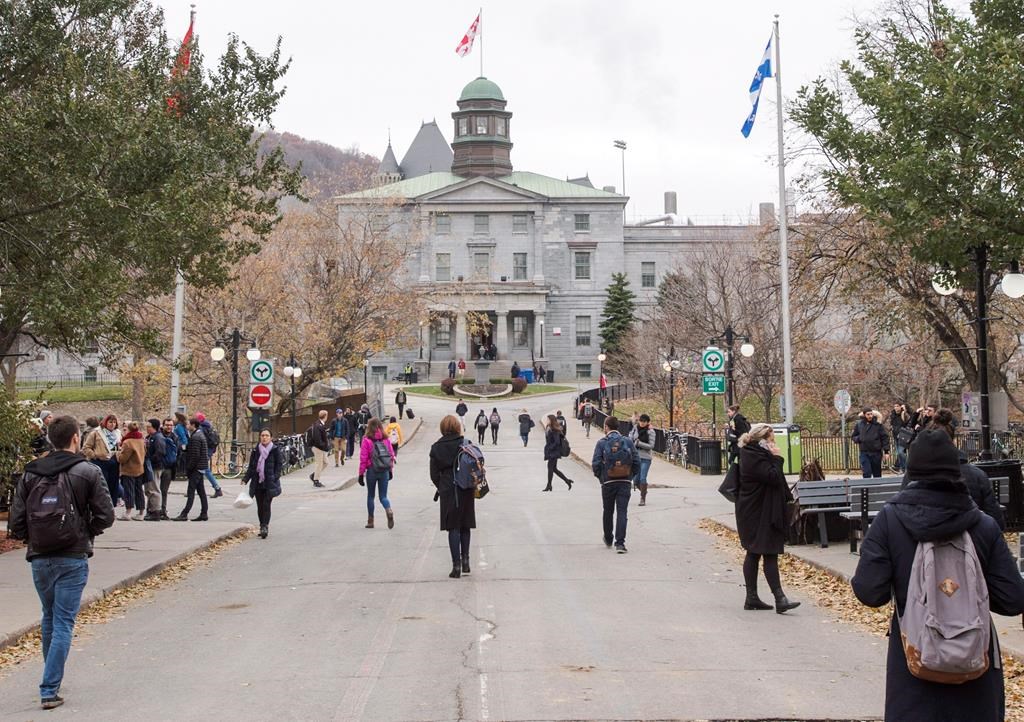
(271, 472)
(155, 449)
(525, 424)
(553, 444)
(457, 512)
(980, 488)
(197, 455)
(928, 511)
(320, 438)
(461, 409)
(761, 505)
(92, 500)
(871, 438)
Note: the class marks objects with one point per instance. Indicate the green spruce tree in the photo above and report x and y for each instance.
(617, 318)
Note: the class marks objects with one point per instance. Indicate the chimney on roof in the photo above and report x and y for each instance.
(670, 202)
(608, 189)
(766, 213)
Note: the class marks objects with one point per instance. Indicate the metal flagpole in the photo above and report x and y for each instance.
(179, 312)
(480, 32)
(787, 354)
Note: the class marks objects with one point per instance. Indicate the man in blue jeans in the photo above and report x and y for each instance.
(873, 440)
(616, 463)
(60, 485)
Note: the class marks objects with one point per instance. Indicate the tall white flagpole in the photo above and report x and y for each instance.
(787, 351)
(179, 313)
(480, 32)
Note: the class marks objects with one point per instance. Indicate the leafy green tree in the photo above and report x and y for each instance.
(617, 317)
(107, 188)
(921, 133)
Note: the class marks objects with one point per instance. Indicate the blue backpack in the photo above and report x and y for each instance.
(170, 451)
(469, 466)
(617, 459)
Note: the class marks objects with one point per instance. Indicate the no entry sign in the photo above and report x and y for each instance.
(260, 396)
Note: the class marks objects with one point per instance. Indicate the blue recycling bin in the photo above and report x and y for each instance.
(527, 374)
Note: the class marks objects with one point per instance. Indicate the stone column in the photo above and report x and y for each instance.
(539, 324)
(538, 247)
(501, 335)
(460, 337)
(426, 247)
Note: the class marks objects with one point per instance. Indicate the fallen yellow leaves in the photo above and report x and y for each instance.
(835, 594)
(114, 604)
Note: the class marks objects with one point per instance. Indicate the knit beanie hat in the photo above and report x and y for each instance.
(933, 455)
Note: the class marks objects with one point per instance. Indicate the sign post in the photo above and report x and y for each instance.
(842, 403)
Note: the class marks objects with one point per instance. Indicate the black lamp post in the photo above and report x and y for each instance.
(600, 373)
(421, 340)
(293, 371)
(542, 338)
(670, 365)
(217, 353)
(747, 349)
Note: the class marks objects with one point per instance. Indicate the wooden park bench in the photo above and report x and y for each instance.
(821, 498)
(867, 497)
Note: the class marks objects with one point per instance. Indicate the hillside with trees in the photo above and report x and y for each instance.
(329, 170)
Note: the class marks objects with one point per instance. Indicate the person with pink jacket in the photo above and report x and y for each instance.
(376, 468)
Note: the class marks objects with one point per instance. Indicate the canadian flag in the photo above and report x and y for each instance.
(466, 44)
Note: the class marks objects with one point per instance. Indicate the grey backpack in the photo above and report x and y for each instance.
(946, 625)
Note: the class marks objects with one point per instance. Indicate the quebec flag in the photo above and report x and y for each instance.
(764, 70)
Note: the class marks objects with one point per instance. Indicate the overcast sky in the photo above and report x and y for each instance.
(669, 78)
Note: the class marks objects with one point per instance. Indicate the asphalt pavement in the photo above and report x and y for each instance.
(326, 620)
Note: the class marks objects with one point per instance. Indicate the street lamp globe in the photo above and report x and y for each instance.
(943, 288)
(288, 371)
(601, 357)
(1013, 285)
(253, 354)
(666, 366)
(675, 363)
(297, 372)
(217, 353)
(366, 362)
(747, 349)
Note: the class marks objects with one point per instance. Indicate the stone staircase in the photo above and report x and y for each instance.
(498, 369)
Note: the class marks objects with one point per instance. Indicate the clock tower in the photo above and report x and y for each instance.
(481, 144)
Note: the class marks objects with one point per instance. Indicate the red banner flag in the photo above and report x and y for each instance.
(181, 64)
(466, 44)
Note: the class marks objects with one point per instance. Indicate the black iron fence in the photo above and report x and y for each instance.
(69, 380)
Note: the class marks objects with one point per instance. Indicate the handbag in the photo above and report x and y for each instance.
(481, 490)
(243, 500)
(730, 486)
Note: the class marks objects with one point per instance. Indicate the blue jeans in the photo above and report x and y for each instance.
(615, 496)
(59, 583)
(871, 464)
(645, 465)
(208, 473)
(525, 437)
(377, 482)
(901, 458)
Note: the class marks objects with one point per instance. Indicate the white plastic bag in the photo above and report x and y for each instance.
(243, 501)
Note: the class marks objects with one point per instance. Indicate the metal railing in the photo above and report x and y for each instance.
(69, 380)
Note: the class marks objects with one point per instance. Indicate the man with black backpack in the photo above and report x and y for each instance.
(61, 504)
(616, 463)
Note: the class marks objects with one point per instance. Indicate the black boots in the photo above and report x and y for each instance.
(465, 565)
(782, 604)
(753, 601)
(456, 570)
(263, 532)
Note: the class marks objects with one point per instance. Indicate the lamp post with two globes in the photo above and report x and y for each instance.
(293, 371)
(746, 349)
(233, 342)
(670, 365)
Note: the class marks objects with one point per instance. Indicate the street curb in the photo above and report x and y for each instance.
(94, 597)
(349, 483)
(508, 397)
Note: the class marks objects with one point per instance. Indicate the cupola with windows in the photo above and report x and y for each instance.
(481, 144)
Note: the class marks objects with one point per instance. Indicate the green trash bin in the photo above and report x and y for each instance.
(787, 438)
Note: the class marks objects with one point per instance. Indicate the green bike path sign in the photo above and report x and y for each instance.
(713, 384)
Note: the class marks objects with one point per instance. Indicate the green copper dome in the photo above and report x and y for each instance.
(481, 89)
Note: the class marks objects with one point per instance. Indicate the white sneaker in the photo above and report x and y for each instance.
(137, 516)
(124, 515)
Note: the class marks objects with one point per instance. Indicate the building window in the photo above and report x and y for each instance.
(443, 223)
(581, 262)
(499, 126)
(518, 266)
(582, 223)
(89, 376)
(443, 332)
(463, 126)
(648, 277)
(481, 125)
(520, 337)
(519, 224)
(378, 223)
(583, 371)
(443, 267)
(583, 330)
(91, 346)
(482, 264)
(481, 223)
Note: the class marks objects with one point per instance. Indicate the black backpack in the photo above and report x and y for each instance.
(212, 437)
(307, 438)
(54, 523)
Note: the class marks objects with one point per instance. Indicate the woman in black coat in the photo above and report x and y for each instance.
(264, 478)
(761, 514)
(553, 451)
(935, 506)
(458, 506)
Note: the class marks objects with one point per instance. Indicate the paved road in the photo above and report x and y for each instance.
(328, 621)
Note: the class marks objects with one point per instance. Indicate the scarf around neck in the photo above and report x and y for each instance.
(264, 450)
